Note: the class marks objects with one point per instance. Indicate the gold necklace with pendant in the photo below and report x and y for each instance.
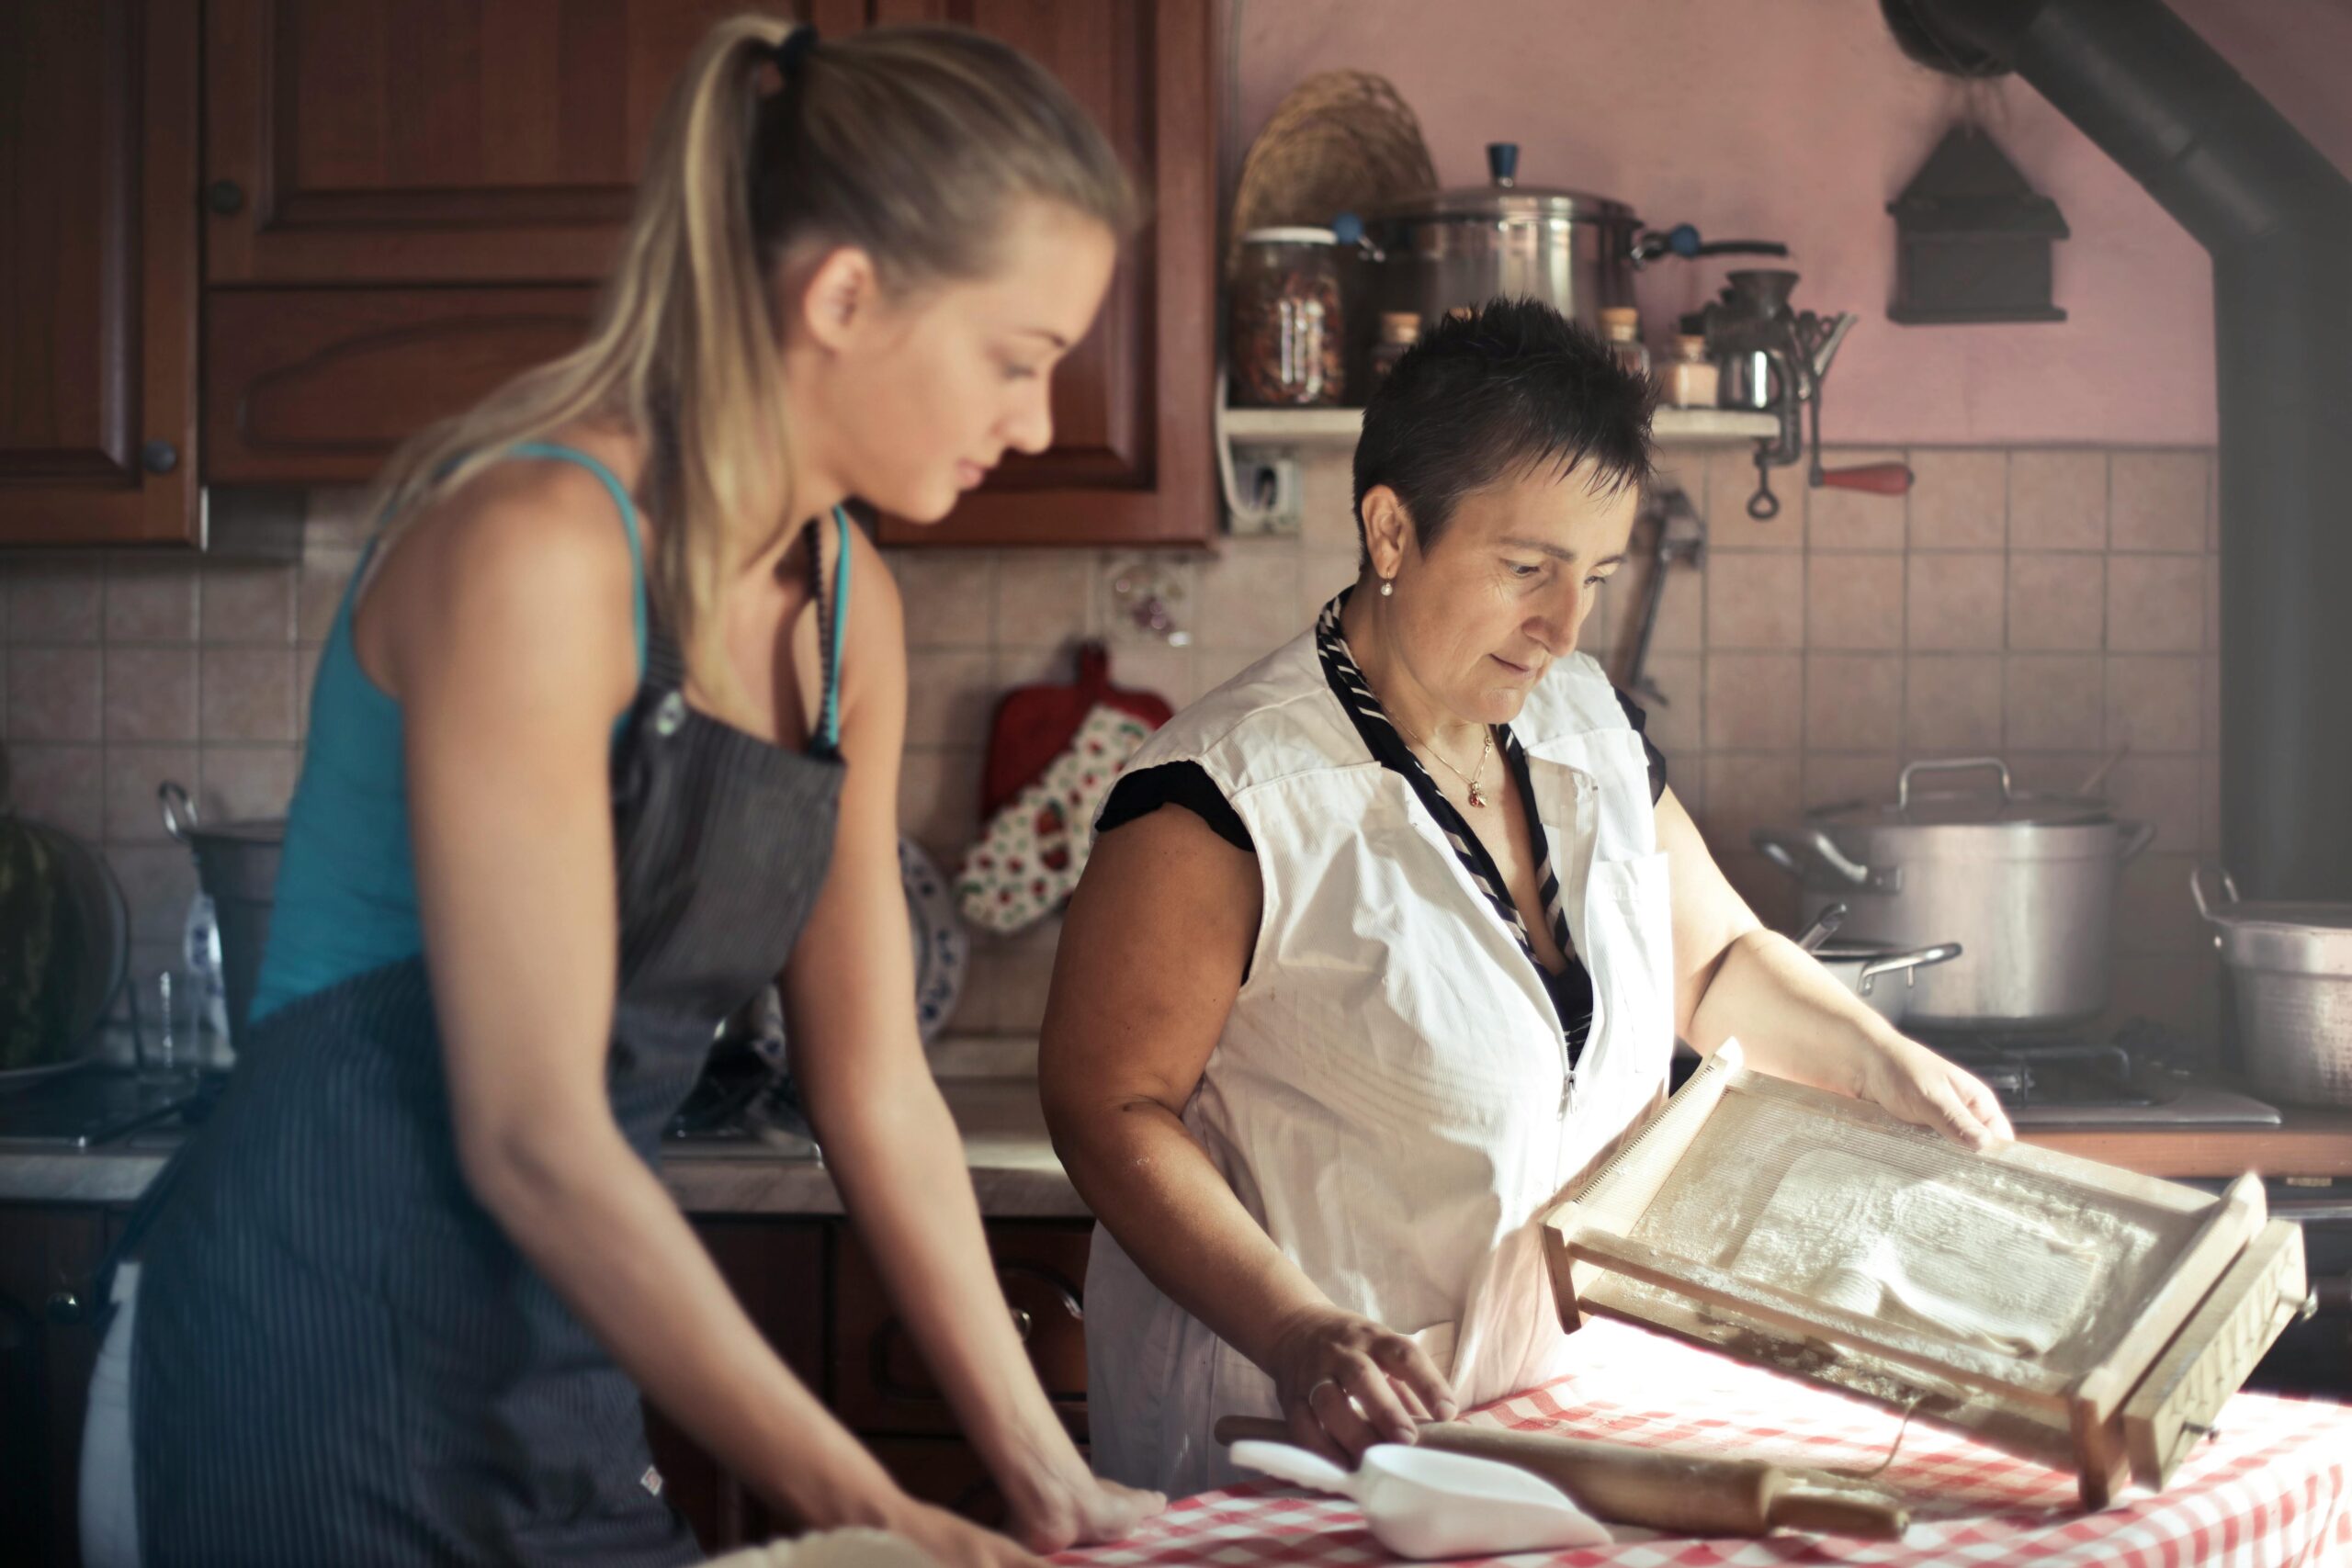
(1477, 795)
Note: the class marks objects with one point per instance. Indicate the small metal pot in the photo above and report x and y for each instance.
(1869, 970)
(2026, 883)
(2290, 966)
(236, 864)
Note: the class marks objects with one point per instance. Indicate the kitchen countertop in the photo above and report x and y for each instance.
(1013, 1167)
(1017, 1177)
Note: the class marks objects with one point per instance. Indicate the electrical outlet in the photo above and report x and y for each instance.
(1266, 489)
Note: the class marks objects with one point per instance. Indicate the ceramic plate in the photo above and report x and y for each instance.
(943, 947)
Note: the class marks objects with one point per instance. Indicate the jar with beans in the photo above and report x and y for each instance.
(1288, 342)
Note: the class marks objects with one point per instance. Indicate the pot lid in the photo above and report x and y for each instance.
(1988, 802)
(1490, 203)
(1503, 197)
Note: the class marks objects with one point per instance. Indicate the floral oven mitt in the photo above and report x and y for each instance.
(1029, 855)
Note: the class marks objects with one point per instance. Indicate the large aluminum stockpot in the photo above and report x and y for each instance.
(2024, 883)
(2290, 966)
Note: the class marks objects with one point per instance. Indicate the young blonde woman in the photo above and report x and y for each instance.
(605, 738)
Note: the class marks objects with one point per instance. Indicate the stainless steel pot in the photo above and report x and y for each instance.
(236, 863)
(1576, 252)
(2290, 965)
(1870, 971)
(2026, 883)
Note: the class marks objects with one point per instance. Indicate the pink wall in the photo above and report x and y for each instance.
(1797, 120)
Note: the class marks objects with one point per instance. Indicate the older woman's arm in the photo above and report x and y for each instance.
(1153, 953)
(1735, 978)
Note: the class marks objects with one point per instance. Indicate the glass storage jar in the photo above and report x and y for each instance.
(1288, 331)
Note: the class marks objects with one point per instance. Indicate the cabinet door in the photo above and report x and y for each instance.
(1130, 461)
(317, 385)
(880, 1384)
(48, 1347)
(98, 271)
(434, 140)
(777, 1271)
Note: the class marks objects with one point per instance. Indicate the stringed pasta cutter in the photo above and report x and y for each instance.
(2069, 1312)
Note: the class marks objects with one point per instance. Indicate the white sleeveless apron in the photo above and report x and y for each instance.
(1390, 1097)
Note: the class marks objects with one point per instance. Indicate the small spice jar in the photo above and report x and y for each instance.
(1399, 330)
(1621, 325)
(1288, 331)
(1693, 380)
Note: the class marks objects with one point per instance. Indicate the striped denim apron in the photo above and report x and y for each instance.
(338, 1356)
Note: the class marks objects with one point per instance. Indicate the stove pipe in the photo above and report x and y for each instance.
(2278, 217)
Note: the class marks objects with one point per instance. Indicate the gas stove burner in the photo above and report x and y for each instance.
(2040, 1069)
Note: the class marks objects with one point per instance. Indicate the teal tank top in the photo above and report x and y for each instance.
(345, 899)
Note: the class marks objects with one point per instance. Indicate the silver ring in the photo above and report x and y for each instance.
(1327, 1382)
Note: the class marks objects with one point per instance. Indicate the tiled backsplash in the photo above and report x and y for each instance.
(2049, 605)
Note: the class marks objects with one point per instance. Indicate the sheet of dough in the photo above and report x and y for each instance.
(1872, 1239)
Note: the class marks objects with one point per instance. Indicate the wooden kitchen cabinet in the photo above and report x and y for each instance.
(48, 1344)
(407, 202)
(318, 385)
(778, 1271)
(1131, 461)
(818, 1299)
(879, 1381)
(99, 272)
(431, 141)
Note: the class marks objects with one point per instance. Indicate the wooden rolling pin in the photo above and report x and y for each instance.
(1660, 1489)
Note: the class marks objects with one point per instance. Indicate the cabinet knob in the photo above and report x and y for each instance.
(64, 1307)
(226, 198)
(159, 457)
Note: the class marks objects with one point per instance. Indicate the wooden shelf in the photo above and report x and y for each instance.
(1339, 427)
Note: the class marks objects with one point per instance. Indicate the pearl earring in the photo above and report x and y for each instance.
(1389, 588)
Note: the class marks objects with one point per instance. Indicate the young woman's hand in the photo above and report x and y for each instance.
(953, 1542)
(1345, 1383)
(1078, 1508)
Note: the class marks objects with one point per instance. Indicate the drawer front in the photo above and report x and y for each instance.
(880, 1384)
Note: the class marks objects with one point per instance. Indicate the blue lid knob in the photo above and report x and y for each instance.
(1502, 162)
(1347, 228)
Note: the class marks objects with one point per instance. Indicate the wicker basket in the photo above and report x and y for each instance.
(1340, 141)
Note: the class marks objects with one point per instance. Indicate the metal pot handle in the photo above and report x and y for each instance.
(1780, 846)
(1904, 963)
(2197, 891)
(2138, 836)
(1949, 765)
(179, 811)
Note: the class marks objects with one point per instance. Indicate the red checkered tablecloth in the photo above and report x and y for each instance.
(2271, 1489)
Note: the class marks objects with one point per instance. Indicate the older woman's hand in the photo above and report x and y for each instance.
(1911, 1081)
(1345, 1383)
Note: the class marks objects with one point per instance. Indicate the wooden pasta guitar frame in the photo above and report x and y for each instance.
(2190, 1304)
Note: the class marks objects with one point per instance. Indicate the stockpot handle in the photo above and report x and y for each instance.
(2197, 891)
(1950, 765)
(179, 812)
(1905, 962)
(2138, 836)
(1780, 846)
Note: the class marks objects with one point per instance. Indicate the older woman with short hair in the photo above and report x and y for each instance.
(1411, 951)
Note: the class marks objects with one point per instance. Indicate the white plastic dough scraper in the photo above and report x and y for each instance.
(1424, 1504)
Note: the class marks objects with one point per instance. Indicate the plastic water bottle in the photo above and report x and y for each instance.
(200, 951)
